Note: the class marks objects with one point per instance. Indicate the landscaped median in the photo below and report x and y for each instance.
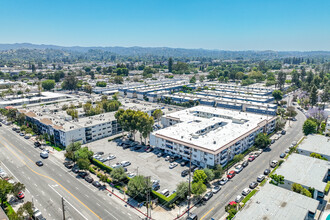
(166, 201)
(249, 196)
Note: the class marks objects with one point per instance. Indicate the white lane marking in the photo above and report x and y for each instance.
(68, 181)
(87, 196)
(98, 204)
(27, 190)
(10, 172)
(128, 214)
(68, 202)
(36, 185)
(110, 214)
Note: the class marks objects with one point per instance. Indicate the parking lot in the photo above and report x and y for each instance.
(142, 163)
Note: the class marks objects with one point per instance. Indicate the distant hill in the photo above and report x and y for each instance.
(43, 51)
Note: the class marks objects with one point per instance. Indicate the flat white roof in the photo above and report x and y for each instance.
(304, 170)
(316, 143)
(274, 203)
(233, 125)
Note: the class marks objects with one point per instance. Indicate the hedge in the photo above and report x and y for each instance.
(101, 165)
(327, 187)
(163, 199)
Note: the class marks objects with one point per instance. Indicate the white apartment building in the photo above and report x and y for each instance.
(212, 135)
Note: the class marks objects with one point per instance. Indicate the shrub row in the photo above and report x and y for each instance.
(163, 199)
(327, 187)
(101, 165)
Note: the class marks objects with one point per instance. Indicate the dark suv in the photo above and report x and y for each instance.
(82, 174)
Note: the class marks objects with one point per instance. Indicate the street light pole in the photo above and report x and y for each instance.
(189, 180)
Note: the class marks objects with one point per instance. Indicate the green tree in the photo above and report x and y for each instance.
(18, 187)
(238, 158)
(118, 174)
(101, 84)
(309, 127)
(5, 189)
(182, 190)
(305, 192)
(201, 78)
(277, 179)
(83, 153)
(262, 140)
(118, 80)
(291, 111)
(48, 84)
(281, 77)
(83, 163)
(296, 187)
(199, 176)
(313, 96)
(209, 174)
(70, 82)
(198, 188)
(157, 114)
(295, 78)
(218, 171)
(193, 79)
(278, 95)
(26, 210)
(88, 89)
(170, 64)
(139, 186)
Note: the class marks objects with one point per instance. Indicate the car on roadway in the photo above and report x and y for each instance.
(173, 165)
(238, 169)
(260, 178)
(282, 155)
(266, 171)
(223, 181)
(37, 214)
(253, 185)
(89, 179)
(239, 198)
(231, 174)
(251, 158)
(216, 189)
(20, 195)
(207, 196)
(184, 173)
(39, 163)
(125, 163)
(96, 184)
(246, 191)
(294, 119)
(245, 163)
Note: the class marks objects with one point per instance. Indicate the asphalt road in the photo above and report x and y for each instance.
(215, 207)
(47, 184)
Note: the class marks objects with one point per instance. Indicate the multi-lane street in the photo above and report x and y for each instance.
(215, 207)
(49, 183)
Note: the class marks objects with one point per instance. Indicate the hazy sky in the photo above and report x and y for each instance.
(218, 24)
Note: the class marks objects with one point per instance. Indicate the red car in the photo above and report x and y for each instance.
(251, 158)
(231, 174)
(20, 195)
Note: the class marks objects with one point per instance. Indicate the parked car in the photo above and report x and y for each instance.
(194, 168)
(287, 150)
(184, 173)
(246, 191)
(223, 181)
(68, 164)
(216, 189)
(294, 119)
(99, 153)
(131, 175)
(125, 146)
(39, 163)
(282, 155)
(44, 154)
(272, 141)
(173, 165)
(75, 169)
(37, 144)
(96, 184)
(111, 157)
(192, 216)
(239, 198)
(283, 132)
(82, 174)
(207, 196)
(273, 163)
(184, 163)
(18, 131)
(155, 187)
(267, 171)
(125, 163)
(97, 156)
(27, 137)
(14, 129)
(37, 214)
(167, 158)
(238, 169)
(149, 149)
(245, 163)
(231, 174)
(165, 192)
(159, 154)
(22, 134)
(117, 165)
(251, 158)
(89, 179)
(260, 178)
(253, 185)
(20, 195)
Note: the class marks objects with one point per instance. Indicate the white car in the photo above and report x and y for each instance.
(173, 165)
(44, 154)
(238, 168)
(125, 163)
(287, 150)
(239, 198)
(117, 165)
(111, 157)
(155, 182)
(131, 175)
(97, 156)
(246, 191)
(216, 189)
(223, 181)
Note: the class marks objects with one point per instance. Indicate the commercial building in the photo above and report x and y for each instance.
(212, 135)
(307, 171)
(274, 203)
(314, 143)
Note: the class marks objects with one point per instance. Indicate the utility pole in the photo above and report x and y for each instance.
(148, 197)
(189, 180)
(63, 208)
